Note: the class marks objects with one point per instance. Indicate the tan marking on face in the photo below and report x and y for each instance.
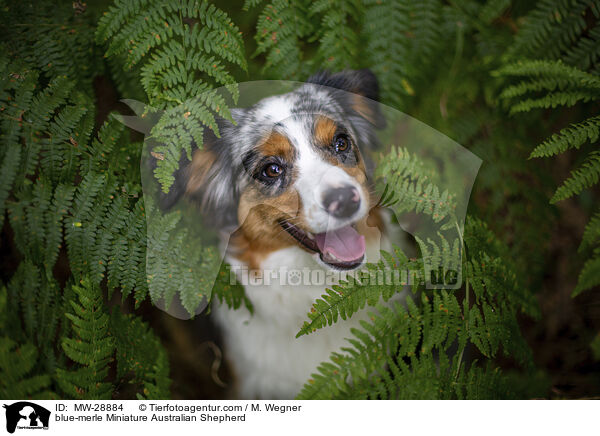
(202, 161)
(358, 173)
(325, 129)
(277, 144)
(260, 233)
(324, 132)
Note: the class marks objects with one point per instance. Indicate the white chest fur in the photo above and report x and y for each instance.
(269, 361)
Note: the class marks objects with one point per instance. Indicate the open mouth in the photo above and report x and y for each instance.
(343, 248)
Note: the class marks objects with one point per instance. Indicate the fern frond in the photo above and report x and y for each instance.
(177, 261)
(552, 28)
(375, 282)
(499, 296)
(280, 29)
(386, 27)
(584, 177)
(558, 33)
(250, 4)
(17, 94)
(53, 39)
(16, 366)
(568, 98)
(369, 354)
(91, 346)
(586, 52)
(387, 361)
(411, 188)
(141, 359)
(591, 234)
(486, 251)
(337, 35)
(590, 273)
(424, 33)
(589, 276)
(562, 85)
(570, 137)
(10, 163)
(185, 48)
(402, 353)
(24, 287)
(547, 75)
(401, 42)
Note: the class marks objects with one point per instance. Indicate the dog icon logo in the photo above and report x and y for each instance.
(26, 415)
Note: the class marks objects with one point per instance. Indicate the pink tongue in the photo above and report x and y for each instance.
(345, 243)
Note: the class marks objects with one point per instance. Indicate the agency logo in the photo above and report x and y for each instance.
(26, 415)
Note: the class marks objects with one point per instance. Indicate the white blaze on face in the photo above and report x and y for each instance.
(315, 177)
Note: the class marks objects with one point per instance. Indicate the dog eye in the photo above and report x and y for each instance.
(273, 170)
(341, 143)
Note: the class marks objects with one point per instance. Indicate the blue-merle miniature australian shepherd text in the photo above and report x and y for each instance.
(290, 184)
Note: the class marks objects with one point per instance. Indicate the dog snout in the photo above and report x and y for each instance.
(342, 202)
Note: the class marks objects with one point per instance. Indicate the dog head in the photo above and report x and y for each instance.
(291, 171)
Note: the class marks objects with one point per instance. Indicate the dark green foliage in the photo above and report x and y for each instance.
(280, 29)
(412, 188)
(589, 277)
(558, 31)
(97, 338)
(175, 264)
(185, 49)
(415, 351)
(72, 192)
(496, 76)
(346, 298)
(53, 37)
(91, 347)
(140, 356)
(337, 32)
(97, 211)
(16, 365)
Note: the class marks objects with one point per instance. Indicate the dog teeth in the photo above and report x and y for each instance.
(331, 256)
(310, 236)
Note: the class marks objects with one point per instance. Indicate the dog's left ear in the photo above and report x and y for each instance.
(363, 88)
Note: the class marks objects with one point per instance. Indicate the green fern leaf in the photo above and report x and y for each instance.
(591, 234)
(589, 276)
(16, 379)
(365, 287)
(280, 30)
(91, 347)
(141, 359)
(552, 27)
(338, 39)
(180, 62)
(584, 177)
(570, 137)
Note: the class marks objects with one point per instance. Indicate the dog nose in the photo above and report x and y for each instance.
(342, 202)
